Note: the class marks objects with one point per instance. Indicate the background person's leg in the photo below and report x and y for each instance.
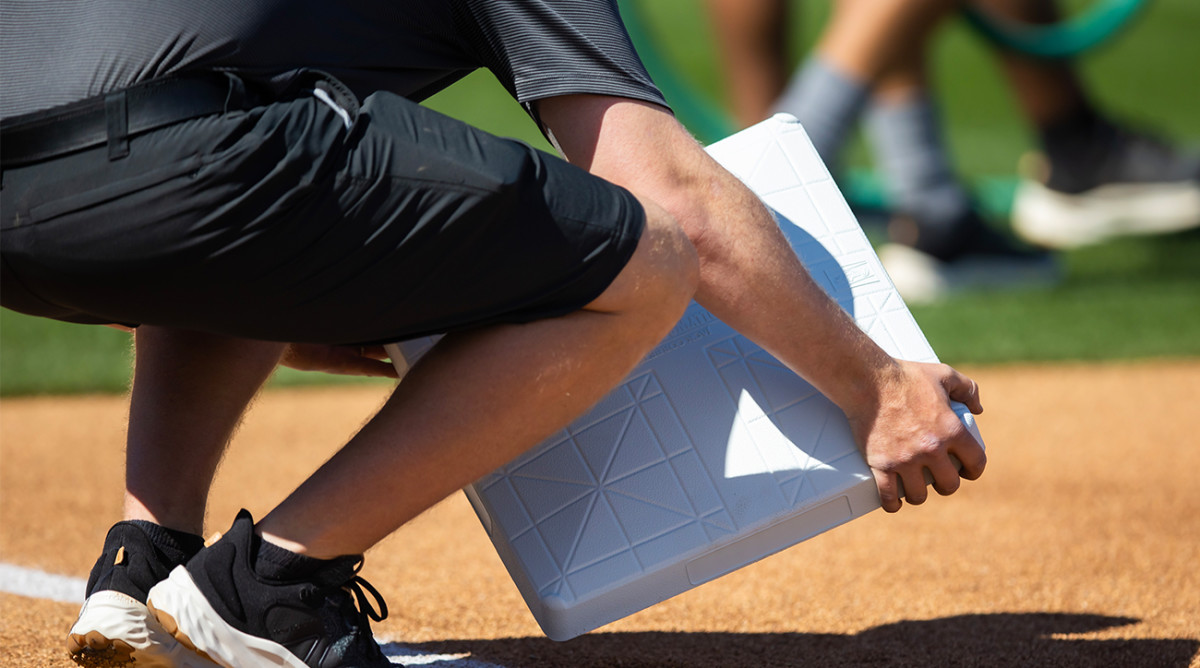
(867, 49)
(1096, 177)
(1047, 91)
(870, 53)
(752, 47)
(873, 39)
(872, 58)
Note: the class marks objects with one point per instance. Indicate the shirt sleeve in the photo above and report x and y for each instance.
(545, 48)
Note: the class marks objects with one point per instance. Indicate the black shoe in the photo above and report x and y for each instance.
(1116, 154)
(224, 611)
(114, 627)
(963, 256)
(1123, 183)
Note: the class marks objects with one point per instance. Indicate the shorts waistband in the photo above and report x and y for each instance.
(114, 117)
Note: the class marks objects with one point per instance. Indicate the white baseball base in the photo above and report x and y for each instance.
(712, 454)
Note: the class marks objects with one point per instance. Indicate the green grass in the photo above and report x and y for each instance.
(39, 356)
(1135, 298)
(1129, 299)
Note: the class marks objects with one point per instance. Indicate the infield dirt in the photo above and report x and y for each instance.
(1079, 547)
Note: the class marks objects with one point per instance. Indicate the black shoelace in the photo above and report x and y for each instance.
(357, 584)
(339, 580)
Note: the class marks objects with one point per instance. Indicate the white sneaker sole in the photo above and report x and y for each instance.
(922, 279)
(186, 614)
(1056, 220)
(114, 629)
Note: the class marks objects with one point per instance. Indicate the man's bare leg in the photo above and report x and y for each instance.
(480, 398)
(190, 390)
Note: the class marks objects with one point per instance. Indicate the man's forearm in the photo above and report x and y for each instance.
(750, 276)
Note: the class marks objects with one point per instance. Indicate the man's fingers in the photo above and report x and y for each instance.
(962, 389)
(341, 360)
(942, 471)
(914, 485)
(945, 477)
(930, 443)
(353, 363)
(889, 491)
(966, 452)
(373, 352)
(973, 459)
(369, 367)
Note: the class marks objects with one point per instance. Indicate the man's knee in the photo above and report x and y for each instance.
(661, 276)
(674, 250)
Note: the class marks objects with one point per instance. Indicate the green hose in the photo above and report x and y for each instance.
(704, 118)
(1065, 39)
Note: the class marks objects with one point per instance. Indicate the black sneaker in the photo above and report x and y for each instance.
(226, 612)
(1122, 183)
(114, 627)
(970, 255)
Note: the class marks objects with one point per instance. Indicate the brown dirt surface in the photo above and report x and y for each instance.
(1078, 547)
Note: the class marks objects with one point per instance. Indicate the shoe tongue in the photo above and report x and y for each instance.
(274, 562)
(335, 572)
(176, 546)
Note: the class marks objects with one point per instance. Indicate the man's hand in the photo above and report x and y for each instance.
(911, 429)
(344, 360)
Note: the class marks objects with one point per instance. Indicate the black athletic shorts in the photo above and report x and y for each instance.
(280, 223)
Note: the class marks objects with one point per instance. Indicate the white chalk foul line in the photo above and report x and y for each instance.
(407, 656)
(37, 584)
(48, 586)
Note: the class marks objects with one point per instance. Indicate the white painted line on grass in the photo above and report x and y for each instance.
(39, 584)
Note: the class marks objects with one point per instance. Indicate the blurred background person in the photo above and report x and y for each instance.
(1093, 178)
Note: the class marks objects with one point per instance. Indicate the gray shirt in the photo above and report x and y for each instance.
(53, 52)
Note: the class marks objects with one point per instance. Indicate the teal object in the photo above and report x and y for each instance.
(704, 118)
(1066, 39)
(993, 195)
